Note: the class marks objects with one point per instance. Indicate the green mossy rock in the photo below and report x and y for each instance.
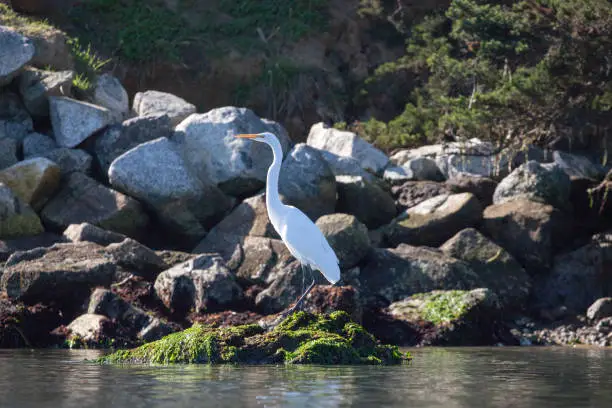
(302, 338)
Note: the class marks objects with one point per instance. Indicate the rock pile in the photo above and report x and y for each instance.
(119, 225)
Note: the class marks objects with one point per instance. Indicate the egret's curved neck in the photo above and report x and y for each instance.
(273, 201)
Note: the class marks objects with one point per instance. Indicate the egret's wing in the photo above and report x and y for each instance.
(310, 245)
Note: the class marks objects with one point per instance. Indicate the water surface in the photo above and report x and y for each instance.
(438, 377)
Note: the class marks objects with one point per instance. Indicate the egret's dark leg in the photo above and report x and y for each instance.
(301, 299)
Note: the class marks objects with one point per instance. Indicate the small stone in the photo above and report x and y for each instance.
(15, 52)
(8, 152)
(74, 121)
(86, 232)
(137, 258)
(15, 121)
(17, 219)
(601, 309)
(118, 139)
(33, 180)
(82, 199)
(156, 103)
(368, 201)
(35, 87)
(307, 182)
(37, 145)
(89, 328)
(204, 284)
(347, 144)
(347, 236)
(110, 94)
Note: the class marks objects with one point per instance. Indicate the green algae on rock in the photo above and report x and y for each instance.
(302, 338)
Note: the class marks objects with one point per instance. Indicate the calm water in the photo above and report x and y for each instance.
(466, 377)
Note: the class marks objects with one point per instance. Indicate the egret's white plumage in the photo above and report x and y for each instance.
(302, 237)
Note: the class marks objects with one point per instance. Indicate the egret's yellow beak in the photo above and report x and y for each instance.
(247, 136)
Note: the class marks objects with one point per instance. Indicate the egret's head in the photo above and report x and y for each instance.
(265, 137)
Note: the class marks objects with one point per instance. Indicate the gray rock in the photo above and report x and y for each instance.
(395, 274)
(9, 246)
(37, 145)
(529, 230)
(35, 87)
(453, 165)
(578, 167)
(159, 103)
(412, 193)
(482, 187)
(74, 121)
(345, 166)
(86, 232)
(238, 166)
(204, 284)
(8, 152)
(347, 144)
(497, 269)
(89, 328)
(17, 219)
(110, 94)
(67, 268)
(137, 258)
(577, 278)
(118, 139)
(16, 52)
(249, 218)
(71, 160)
(286, 288)
(140, 325)
(433, 221)
(307, 182)
(405, 155)
(347, 236)
(366, 200)
(537, 182)
(15, 121)
(460, 318)
(33, 180)
(82, 199)
(155, 173)
(600, 309)
(421, 168)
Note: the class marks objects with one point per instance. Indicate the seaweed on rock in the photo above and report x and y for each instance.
(302, 338)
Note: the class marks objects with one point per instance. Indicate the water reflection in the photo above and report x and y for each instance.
(468, 377)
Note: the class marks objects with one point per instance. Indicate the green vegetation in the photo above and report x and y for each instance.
(24, 25)
(509, 72)
(143, 34)
(445, 306)
(302, 338)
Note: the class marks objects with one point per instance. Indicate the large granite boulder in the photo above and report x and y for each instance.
(82, 199)
(347, 144)
(545, 183)
(497, 269)
(529, 230)
(152, 103)
(238, 166)
(202, 284)
(155, 173)
(433, 221)
(367, 200)
(17, 51)
(307, 182)
(347, 236)
(74, 121)
(119, 138)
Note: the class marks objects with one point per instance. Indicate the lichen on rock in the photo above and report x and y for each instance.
(302, 338)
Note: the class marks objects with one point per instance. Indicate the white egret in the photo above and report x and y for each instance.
(302, 237)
